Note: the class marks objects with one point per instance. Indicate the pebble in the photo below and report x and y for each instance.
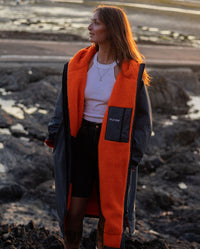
(5, 131)
(165, 32)
(43, 111)
(153, 29)
(18, 128)
(182, 185)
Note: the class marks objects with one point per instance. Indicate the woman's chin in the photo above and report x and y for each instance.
(91, 39)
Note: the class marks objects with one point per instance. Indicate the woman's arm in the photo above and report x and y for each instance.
(142, 125)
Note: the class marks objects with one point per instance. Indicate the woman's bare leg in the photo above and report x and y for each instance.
(74, 222)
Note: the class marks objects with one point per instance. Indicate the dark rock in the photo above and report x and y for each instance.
(34, 162)
(154, 244)
(164, 200)
(13, 79)
(180, 222)
(44, 192)
(192, 237)
(32, 175)
(187, 137)
(180, 156)
(35, 128)
(30, 225)
(5, 120)
(150, 166)
(28, 238)
(6, 236)
(186, 78)
(36, 75)
(153, 201)
(41, 92)
(179, 133)
(18, 231)
(10, 192)
(7, 243)
(11, 247)
(178, 171)
(90, 242)
(172, 156)
(134, 244)
(167, 97)
(52, 243)
(4, 229)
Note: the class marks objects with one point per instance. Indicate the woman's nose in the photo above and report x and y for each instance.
(90, 26)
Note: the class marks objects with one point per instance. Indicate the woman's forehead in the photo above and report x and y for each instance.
(95, 16)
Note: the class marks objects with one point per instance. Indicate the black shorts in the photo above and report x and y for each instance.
(85, 159)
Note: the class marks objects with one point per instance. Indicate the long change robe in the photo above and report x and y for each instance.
(125, 133)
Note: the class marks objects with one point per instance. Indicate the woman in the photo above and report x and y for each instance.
(99, 132)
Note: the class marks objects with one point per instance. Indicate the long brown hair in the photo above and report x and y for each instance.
(121, 36)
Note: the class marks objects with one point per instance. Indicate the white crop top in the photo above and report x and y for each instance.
(99, 85)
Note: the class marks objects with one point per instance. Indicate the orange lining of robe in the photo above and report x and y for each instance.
(113, 156)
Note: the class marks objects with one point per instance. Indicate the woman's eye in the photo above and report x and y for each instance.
(95, 22)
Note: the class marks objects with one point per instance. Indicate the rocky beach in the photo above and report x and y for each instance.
(168, 202)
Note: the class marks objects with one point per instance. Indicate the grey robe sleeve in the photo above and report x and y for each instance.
(142, 125)
(57, 119)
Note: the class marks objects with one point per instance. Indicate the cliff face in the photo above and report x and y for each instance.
(167, 208)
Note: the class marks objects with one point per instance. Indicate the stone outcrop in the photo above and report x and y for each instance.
(167, 195)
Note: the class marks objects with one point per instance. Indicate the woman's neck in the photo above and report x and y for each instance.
(105, 54)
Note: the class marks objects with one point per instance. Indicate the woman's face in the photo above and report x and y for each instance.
(98, 31)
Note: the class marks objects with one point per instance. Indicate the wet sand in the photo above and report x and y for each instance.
(17, 50)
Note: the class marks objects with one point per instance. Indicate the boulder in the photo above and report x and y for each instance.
(12, 79)
(178, 171)
(10, 192)
(151, 200)
(167, 96)
(28, 163)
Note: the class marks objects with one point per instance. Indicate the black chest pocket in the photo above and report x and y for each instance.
(118, 124)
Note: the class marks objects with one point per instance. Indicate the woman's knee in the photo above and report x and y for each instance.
(77, 208)
(75, 216)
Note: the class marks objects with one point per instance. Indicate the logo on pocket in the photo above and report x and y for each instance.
(114, 119)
